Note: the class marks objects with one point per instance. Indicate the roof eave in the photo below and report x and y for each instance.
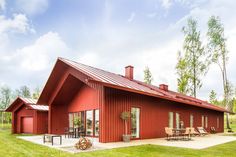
(154, 95)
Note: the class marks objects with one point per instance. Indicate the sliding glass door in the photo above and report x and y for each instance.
(135, 122)
(89, 123)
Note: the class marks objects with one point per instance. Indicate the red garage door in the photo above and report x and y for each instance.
(27, 125)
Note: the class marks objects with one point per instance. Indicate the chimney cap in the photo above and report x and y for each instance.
(129, 66)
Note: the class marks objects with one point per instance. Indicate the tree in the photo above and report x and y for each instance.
(183, 77)
(213, 98)
(194, 58)
(219, 55)
(5, 97)
(147, 75)
(24, 91)
(36, 93)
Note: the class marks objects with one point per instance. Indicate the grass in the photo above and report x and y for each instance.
(10, 146)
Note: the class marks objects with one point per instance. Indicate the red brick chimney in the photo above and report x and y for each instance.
(129, 72)
(163, 87)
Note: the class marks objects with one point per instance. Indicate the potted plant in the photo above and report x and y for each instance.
(77, 122)
(125, 117)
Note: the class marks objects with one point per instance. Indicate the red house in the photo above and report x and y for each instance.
(98, 97)
(27, 117)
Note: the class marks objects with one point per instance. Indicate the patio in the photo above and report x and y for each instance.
(195, 143)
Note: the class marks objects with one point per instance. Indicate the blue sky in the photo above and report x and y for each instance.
(108, 34)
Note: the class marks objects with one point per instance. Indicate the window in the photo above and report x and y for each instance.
(218, 122)
(71, 120)
(96, 123)
(191, 120)
(135, 121)
(171, 120)
(206, 121)
(177, 119)
(89, 123)
(202, 121)
(81, 115)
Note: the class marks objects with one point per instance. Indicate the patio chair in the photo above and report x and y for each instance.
(186, 134)
(193, 132)
(69, 132)
(169, 133)
(202, 131)
(212, 130)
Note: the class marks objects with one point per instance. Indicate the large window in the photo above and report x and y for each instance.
(171, 119)
(177, 120)
(71, 120)
(191, 120)
(202, 121)
(89, 123)
(96, 124)
(135, 122)
(206, 121)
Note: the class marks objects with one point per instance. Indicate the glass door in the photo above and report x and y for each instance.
(135, 122)
(89, 123)
(177, 120)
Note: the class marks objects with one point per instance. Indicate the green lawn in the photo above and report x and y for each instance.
(13, 147)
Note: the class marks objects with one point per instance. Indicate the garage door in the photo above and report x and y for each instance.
(27, 125)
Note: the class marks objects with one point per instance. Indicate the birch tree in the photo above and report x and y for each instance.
(194, 57)
(219, 56)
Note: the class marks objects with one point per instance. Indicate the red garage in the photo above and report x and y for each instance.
(27, 117)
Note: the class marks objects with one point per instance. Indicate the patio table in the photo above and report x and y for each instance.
(51, 136)
(178, 132)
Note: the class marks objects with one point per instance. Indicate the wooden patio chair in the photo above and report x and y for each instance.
(169, 133)
(69, 132)
(193, 132)
(202, 131)
(187, 134)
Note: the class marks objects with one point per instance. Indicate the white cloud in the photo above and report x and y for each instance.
(43, 52)
(132, 16)
(2, 4)
(33, 7)
(166, 3)
(19, 24)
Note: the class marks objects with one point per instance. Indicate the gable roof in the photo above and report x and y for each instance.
(120, 82)
(112, 80)
(30, 103)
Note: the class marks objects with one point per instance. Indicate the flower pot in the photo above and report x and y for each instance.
(126, 138)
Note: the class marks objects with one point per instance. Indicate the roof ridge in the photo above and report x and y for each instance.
(91, 66)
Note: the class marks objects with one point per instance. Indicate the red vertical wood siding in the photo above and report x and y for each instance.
(42, 122)
(85, 99)
(154, 114)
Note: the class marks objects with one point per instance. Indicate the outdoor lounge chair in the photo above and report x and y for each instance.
(212, 130)
(193, 132)
(169, 133)
(202, 131)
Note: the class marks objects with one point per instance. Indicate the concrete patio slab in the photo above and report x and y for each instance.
(195, 143)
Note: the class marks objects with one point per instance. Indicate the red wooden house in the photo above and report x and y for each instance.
(99, 97)
(27, 117)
